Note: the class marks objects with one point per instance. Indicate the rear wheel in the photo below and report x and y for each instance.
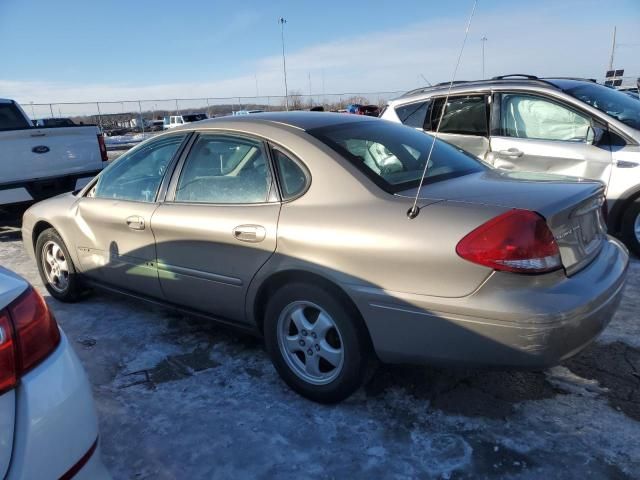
(56, 267)
(317, 342)
(631, 227)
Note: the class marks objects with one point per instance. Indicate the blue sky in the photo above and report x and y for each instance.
(72, 50)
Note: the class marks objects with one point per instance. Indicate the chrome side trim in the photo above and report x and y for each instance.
(190, 272)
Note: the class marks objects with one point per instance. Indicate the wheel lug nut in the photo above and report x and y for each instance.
(301, 343)
(310, 352)
(313, 334)
(304, 333)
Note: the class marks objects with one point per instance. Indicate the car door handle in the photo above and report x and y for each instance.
(510, 153)
(249, 233)
(135, 222)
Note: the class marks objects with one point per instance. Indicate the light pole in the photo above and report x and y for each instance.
(483, 40)
(282, 21)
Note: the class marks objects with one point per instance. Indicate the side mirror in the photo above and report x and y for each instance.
(594, 135)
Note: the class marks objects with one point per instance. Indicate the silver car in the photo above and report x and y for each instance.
(555, 125)
(295, 226)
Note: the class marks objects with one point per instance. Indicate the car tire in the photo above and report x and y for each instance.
(57, 271)
(318, 343)
(630, 229)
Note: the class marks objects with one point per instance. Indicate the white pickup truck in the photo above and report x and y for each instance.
(40, 162)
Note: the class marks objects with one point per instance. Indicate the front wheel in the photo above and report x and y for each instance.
(631, 227)
(56, 267)
(317, 342)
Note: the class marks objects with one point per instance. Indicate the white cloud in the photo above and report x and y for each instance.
(519, 42)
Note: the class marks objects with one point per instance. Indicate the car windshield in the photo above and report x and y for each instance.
(394, 156)
(612, 102)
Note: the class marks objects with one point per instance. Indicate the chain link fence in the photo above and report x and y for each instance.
(139, 115)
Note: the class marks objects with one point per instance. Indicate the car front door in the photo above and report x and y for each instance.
(218, 224)
(538, 134)
(116, 245)
(465, 122)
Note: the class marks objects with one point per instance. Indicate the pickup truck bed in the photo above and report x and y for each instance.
(39, 162)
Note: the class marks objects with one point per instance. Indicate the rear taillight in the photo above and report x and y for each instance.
(28, 335)
(8, 375)
(103, 148)
(516, 241)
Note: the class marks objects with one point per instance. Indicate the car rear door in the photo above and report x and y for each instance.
(218, 224)
(115, 243)
(531, 132)
(465, 122)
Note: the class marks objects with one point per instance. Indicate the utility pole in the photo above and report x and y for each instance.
(282, 21)
(613, 49)
(483, 40)
(257, 93)
(310, 98)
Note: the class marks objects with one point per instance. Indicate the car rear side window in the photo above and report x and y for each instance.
(534, 117)
(414, 114)
(293, 179)
(464, 115)
(224, 169)
(394, 156)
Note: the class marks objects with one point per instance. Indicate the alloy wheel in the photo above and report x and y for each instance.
(55, 266)
(310, 342)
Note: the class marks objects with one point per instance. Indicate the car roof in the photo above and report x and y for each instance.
(300, 119)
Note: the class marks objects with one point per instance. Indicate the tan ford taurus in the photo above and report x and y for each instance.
(296, 226)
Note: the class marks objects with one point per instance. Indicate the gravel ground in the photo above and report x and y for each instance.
(178, 397)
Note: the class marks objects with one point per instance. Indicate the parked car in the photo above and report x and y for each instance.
(53, 122)
(40, 162)
(563, 126)
(174, 121)
(247, 112)
(48, 425)
(294, 225)
(352, 108)
(369, 110)
(156, 125)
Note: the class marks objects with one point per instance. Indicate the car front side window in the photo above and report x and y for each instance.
(137, 175)
(225, 170)
(534, 117)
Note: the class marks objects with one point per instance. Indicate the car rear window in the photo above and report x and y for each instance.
(394, 156)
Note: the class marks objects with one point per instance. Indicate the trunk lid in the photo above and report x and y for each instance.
(572, 208)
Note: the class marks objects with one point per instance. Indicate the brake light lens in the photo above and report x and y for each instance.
(516, 241)
(28, 335)
(103, 148)
(8, 376)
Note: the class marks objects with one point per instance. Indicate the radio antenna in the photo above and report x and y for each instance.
(415, 210)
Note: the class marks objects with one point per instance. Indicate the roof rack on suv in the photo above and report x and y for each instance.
(592, 80)
(515, 75)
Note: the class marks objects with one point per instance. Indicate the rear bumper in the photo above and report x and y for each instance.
(510, 321)
(56, 423)
(29, 191)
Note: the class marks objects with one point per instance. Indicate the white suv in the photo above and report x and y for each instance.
(562, 126)
(48, 425)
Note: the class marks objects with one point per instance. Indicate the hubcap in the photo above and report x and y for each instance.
(636, 227)
(55, 266)
(310, 342)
